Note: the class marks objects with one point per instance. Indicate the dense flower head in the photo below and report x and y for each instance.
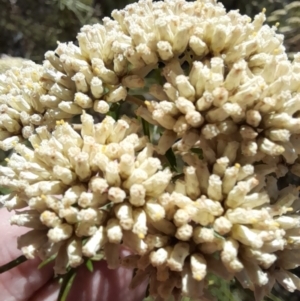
(219, 73)
(66, 182)
(190, 184)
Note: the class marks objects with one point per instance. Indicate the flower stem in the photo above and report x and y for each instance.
(66, 285)
(10, 265)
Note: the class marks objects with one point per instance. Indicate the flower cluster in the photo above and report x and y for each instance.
(190, 186)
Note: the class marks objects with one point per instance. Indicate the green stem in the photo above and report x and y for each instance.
(10, 265)
(66, 285)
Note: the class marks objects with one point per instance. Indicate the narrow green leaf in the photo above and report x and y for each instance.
(171, 159)
(98, 257)
(274, 298)
(217, 235)
(146, 128)
(4, 191)
(46, 261)
(66, 285)
(89, 265)
(114, 111)
(10, 265)
(198, 151)
(155, 77)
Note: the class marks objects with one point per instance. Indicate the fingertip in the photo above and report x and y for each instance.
(104, 284)
(23, 280)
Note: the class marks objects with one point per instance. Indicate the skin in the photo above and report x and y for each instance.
(27, 283)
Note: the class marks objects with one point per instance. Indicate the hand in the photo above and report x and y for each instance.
(28, 283)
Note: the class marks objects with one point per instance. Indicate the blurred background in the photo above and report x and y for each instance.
(29, 28)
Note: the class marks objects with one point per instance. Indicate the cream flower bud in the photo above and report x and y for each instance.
(27, 218)
(154, 210)
(265, 260)
(44, 187)
(230, 178)
(72, 194)
(74, 251)
(64, 174)
(165, 120)
(184, 232)
(139, 227)
(105, 74)
(244, 216)
(198, 46)
(116, 195)
(83, 101)
(209, 206)
(156, 184)
(189, 286)
(150, 165)
(70, 214)
(270, 148)
(95, 242)
(185, 88)
(222, 225)
(112, 175)
(156, 241)
(101, 106)
(246, 236)
(60, 232)
(220, 166)
(198, 266)
(50, 219)
(116, 95)
(160, 256)
(13, 202)
(181, 217)
(171, 92)
(201, 234)
(114, 231)
(80, 82)
(137, 195)
(123, 212)
(229, 256)
(164, 49)
(255, 273)
(179, 253)
(214, 190)
(137, 177)
(287, 279)
(98, 185)
(192, 183)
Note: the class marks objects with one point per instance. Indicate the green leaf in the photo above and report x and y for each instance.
(4, 190)
(155, 77)
(146, 128)
(198, 151)
(114, 111)
(46, 261)
(66, 285)
(217, 235)
(89, 265)
(10, 265)
(274, 298)
(98, 257)
(171, 159)
(220, 288)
